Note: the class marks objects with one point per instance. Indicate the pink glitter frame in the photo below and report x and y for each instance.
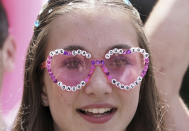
(94, 64)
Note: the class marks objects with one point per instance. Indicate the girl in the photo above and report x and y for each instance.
(88, 69)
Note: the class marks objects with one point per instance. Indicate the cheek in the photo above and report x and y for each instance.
(129, 103)
(61, 103)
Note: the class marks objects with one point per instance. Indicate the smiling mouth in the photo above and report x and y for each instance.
(97, 112)
(97, 115)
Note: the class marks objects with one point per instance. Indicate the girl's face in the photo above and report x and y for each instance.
(96, 30)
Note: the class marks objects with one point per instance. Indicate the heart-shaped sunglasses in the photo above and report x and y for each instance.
(72, 70)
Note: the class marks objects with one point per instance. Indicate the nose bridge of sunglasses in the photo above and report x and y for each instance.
(101, 64)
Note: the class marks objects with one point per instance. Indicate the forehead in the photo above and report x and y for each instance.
(95, 29)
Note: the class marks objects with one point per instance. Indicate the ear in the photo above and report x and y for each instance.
(44, 97)
(8, 54)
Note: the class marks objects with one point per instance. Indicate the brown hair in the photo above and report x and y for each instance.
(33, 116)
(3, 25)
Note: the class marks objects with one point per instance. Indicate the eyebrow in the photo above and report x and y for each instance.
(76, 47)
(120, 46)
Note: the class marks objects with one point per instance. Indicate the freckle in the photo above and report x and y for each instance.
(59, 91)
(162, 69)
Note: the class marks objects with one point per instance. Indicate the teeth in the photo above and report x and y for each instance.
(97, 110)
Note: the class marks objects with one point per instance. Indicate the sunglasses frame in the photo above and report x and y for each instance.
(94, 63)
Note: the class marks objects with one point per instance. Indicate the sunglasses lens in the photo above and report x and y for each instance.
(125, 68)
(70, 70)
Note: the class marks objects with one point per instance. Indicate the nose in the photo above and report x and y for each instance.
(98, 85)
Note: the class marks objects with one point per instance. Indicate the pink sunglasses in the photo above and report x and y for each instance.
(72, 70)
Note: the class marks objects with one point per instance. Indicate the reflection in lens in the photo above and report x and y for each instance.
(70, 70)
(125, 68)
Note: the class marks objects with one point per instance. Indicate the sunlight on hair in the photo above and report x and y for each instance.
(44, 1)
(92, 2)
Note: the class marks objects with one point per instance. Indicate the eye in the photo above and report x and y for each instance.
(118, 61)
(73, 63)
